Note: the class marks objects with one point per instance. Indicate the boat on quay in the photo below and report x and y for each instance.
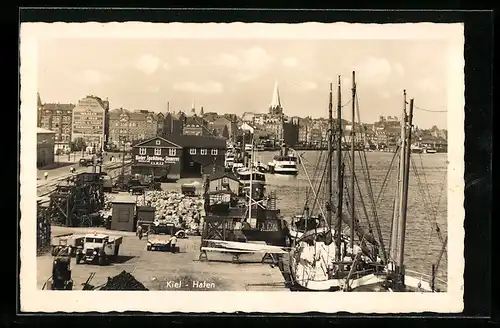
(327, 257)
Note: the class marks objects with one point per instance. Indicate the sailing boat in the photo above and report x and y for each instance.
(318, 263)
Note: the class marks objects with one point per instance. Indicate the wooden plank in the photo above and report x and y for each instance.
(250, 246)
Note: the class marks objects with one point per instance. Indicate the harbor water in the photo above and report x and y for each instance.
(427, 199)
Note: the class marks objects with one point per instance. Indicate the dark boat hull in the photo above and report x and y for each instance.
(286, 172)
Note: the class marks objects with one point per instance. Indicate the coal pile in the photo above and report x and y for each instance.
(123, 281)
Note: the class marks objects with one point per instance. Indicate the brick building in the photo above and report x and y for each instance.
(58, 118)
(132, 126)
(195, 126)
(91, 121)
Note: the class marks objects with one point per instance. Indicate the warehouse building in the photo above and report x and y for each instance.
(158, 157)
(45, 147)
(175, 157)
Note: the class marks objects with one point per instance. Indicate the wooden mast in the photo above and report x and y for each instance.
(353, 215)
(397, 200)
(404, 196)
(338, 256)
(329, 161)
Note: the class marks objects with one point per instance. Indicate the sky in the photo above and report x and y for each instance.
(238, 75)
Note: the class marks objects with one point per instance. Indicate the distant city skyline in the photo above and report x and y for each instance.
(237, 76)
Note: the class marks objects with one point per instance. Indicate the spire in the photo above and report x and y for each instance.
(193, 108)
(276, 102)
(39, 100)
(201, 111)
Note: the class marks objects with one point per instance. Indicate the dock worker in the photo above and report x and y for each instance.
(139, 232)
(46, 175)
(173, 243)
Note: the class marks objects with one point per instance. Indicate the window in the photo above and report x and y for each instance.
(192, 151)
(203, 151)
(158, 142)
(172, 152)
(142, 151)
(157, 151)
(214, 152)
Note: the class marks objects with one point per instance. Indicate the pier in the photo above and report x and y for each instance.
(168, 271)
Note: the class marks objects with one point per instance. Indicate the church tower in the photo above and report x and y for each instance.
(275, 106)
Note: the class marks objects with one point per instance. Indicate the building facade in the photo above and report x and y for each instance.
(160, 124)
(173, 123)
(158, 157)
(223, 127)
(45, 147)
(199, 152)
(178, 156)
(131, 126)
(57, 118)
(91, 121)
(195, 126)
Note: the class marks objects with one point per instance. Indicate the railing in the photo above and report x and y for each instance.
(428, 278)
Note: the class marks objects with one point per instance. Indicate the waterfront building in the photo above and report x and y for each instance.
(91, 121)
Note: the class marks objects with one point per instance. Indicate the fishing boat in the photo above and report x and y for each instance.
(229, 160)
(430, 150)
(416, 149)
(243, 218)
(327, 257)
(285, 162)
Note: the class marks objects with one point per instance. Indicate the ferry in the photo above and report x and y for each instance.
(284, 163)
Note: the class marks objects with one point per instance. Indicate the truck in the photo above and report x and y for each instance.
(63, 241)
(98, 248)
(61, 272)
(107, 182)
(160, 235)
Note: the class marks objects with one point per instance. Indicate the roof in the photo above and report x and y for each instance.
(96, 235)
(133, 115)
(124, 198)
(42, 130)
(275, 101)
(53, 107)
(166, 142)
(195, 120)
(197, 141)
(220, 175)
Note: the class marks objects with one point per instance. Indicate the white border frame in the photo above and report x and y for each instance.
(153, 301)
